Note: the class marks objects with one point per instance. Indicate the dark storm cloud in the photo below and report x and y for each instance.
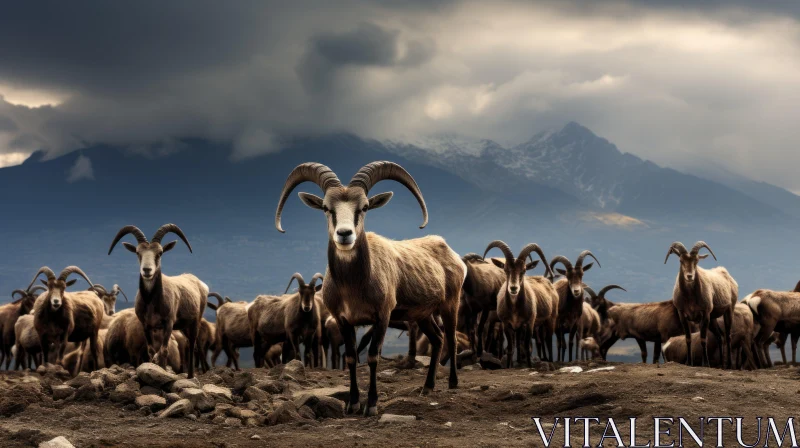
(665, 80)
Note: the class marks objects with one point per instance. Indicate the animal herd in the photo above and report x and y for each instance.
(452, 307)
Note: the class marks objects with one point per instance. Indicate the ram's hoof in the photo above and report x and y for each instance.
(425, 391)
(353, 408)
(371, 411)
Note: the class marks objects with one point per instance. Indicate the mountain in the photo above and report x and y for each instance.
(567, 190)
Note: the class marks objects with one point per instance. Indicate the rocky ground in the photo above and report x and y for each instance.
(293, 406)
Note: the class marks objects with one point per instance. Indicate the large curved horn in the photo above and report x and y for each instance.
(133, 230)
(676, 248)
(36, 289)
(299, 279)
(69, 270)
(563, 260)
(306, 172)
(317, 276)
(603, 291)
(591, 292)
(503, 247)
(584, 254)
(372, 173)
(99, 288)
(117, 290)
(47, 271)
(472, 257)
(699, 245)
(20, 292)
(170, 228)
(219, 298)
(533, 247)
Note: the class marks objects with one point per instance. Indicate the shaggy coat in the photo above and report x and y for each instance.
(772, 309)
(28, 345)
(570, 300)
(275, 319)
(646, 322)
(481, 287)
(9, 314)
(125, 342)
(233, 331)
(741, 342)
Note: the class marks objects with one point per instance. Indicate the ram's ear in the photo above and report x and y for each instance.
(311, 200)
(72, 282)
(561, 271)
(587, 267)
(499, 263)
(129, 246)
(379, 200)
(44, 282)
(702, 257)
(531, 265)
(318, 287)
(170, 246)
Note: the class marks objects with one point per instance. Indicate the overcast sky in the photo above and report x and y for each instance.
(669, 81)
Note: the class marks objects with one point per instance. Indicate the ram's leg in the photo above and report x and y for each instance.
(781, 344)
(191, 335)
(429, 328)
(375, 346)
(795, 337)
(656, 351)
(349, 335)
(510, 342)
(481, 327)
(704, 339)
(687, 331)
(410, 361)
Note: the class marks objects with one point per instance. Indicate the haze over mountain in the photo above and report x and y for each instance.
(568, 190)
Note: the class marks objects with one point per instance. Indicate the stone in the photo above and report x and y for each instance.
(152, 402)
(328, 407)
(81, 380)
(306, 412)
(87, 392)
(230, 421)
(153, 375)
(125, 392)
(601, 369)
(255, 394)
(255, 437)
(272, 386)
(62, 392)
(285, 413)
(424, 360)
(388, 373)
(448, 425)
(178, 409)
(570, 369)
(200, 400)
(540, 388)
(172, 398)
(150, 390)
(394, 418)
(219, 394)
(181, 384)
(490, 362)
(294, 370)
(338, 392)
(241, 381)
(58, 442)
(508, 395)
(698, 399)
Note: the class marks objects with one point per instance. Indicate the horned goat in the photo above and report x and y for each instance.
(481, 287)
(771, 309)
(570, 300)
(371, 279)
(9, 314)
(233, 330)
(28, 345)
(646, 322)
(601, 305)
(702, 295)
(516, 301)
(163, 302)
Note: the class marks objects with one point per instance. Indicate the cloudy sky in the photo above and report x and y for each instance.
(670, 81)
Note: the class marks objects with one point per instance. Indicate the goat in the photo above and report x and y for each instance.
(703, 295)
(125, 342)
(646, 322)
(60, 317)
(206, 337)
(570, 299)
(78, 360)
(28, 347)
(371, 279)
(590, 322)
(9, 314)
(165, 303)
(516, 301)
(285, 319)
(233, 330)
(773, 311)
(601, 305)
(591, 346)
(481, 287)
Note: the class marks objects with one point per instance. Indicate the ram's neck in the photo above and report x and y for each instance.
(151, 289)
(350, 267)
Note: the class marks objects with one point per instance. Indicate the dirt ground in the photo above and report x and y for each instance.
(490, 408)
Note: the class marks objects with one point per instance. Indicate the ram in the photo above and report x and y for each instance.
(516, 301)
(773, 311)
(9, 314)
(701, 295)
(165, 303)
(570, 300)
(28, 348)
(60, 317)
(481, 287)
(601, 305)
(372, 279)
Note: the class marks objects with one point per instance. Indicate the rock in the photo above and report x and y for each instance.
(232, 422)
(183, 383)
(394, 418)
(570, 369)
(200, 400)
(111, 377)
(153, 375)
(424, 360)
(241, 381)
(448, 425)
(285, 413)
(540, 388)
(87, 392)
(294, 370)
(488, 361)
(339, 392)
(508, 395)
(698, 399)
(253, 393)
(125, 392)
(150, 390)
(53, 370)
(58, 442)
(306, 412)
(172, 398)
(328, 407)
(62, 392)
(152, 402)
(255, 437)
(388, 373)
(219, 394)
(81, 380)
(543, 365)
(601, 369)
(178, 409)
(272, 386)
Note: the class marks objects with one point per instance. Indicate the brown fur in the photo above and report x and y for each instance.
(646, 322)
(483, 283)
(233, 332)
(28, 344)
(771, 310)
(9, 313)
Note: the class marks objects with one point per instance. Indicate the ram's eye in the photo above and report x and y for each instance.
(325, 209)
(366, 207)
